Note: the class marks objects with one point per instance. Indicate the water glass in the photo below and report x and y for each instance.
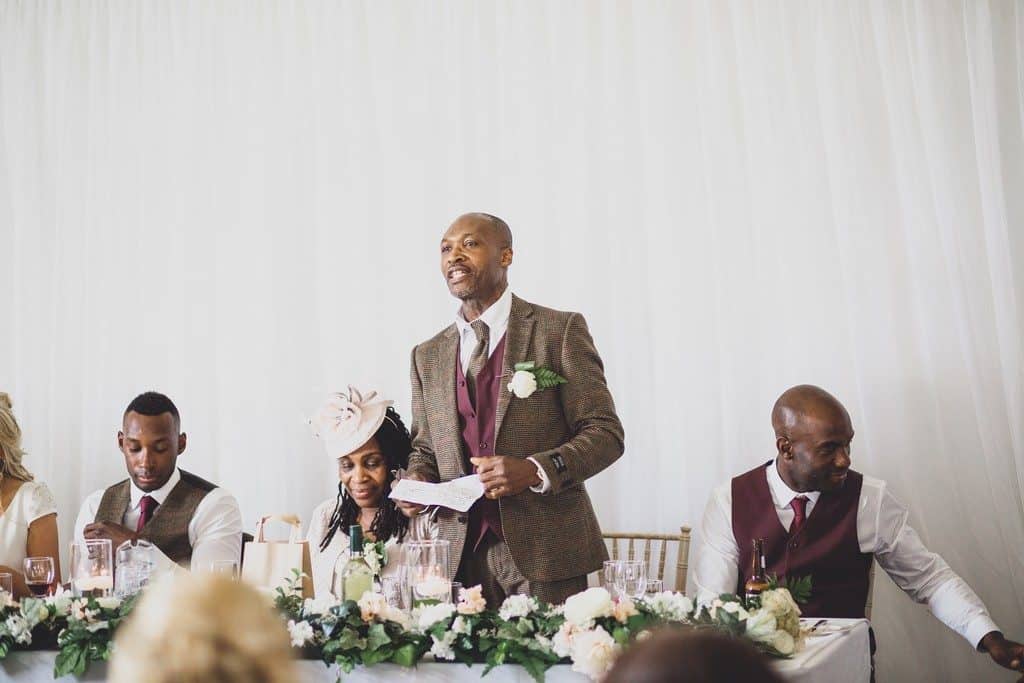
(134, 567)
(655, 586)
(631, 578)
(92, 568)
(7, 583)
(456, 589)
(426, 570)
(39, 574)
(393, 588)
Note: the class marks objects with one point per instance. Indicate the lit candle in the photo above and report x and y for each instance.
(94, 583)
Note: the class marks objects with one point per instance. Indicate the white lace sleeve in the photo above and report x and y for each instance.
(39, 501)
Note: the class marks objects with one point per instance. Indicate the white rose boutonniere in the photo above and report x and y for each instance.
(528, 378)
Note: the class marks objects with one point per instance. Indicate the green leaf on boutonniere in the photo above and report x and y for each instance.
(527, 366)
(548, 379)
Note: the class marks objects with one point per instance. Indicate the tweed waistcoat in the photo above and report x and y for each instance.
(478, 423)
(825, 547)
(167, 529)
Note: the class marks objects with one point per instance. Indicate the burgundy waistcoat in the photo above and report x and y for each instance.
(825, 547)
(478, 425)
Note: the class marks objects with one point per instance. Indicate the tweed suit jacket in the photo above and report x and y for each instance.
(571, 430)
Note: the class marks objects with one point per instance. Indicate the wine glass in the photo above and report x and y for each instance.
(609, 576)
(227, 568)
(631, 579)
(39, 575)
(7, 583)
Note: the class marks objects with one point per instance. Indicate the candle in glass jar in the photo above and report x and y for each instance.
(94, 583)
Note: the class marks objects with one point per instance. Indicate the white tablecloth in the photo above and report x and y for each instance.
(837, 658)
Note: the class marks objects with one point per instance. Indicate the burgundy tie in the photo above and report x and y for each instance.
(146, 506)
(799, 505)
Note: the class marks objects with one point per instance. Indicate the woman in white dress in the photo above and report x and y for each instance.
(28, 512)
(367, 437)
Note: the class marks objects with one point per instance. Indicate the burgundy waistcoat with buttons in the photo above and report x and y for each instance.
(478, 423)
(825, 547)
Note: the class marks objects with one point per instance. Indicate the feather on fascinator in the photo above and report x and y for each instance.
(346, 421)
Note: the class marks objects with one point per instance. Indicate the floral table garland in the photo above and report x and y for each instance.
(589, 629)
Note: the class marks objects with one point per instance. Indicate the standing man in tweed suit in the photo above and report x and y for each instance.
(534, 531)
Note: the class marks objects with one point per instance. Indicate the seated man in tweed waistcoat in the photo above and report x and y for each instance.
(191, 522)
(535, 531)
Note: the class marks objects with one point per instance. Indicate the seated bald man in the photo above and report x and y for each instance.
(822, 519)
(191, 522)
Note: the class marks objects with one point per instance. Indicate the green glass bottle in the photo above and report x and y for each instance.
(356, 577)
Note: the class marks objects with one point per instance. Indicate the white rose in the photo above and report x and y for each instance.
(319, 605)
(396, 615)
(562, 642)
(462, 626)
(34, 611)
(523, 384)
(19, 629)
(761, 625)
(781, 604)
(301, 632)
(593, 653)
(431, 614)
(96, 626)
(783, 642)
(733, 608)
(471, 600)
(581, 609)
(372, 605)
(670, 606)
(109, 603)
(372, 561)
(442, 647)
(517, 606)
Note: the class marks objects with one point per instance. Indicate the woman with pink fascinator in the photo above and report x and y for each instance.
(367, 438)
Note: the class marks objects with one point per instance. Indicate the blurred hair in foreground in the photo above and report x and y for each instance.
(191, 628)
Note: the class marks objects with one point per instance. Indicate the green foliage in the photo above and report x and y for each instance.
(799, 588)
(546, 378)
(288, 598)
(88, 640)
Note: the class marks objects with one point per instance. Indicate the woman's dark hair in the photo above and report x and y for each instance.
(395, 445)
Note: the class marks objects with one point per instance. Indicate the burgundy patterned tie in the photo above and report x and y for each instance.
(799, 505)
(147, 506)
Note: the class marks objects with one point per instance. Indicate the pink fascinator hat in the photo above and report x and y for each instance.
(346, 421)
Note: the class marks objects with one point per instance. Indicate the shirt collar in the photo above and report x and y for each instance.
(160, 495)
(782, 495)
(496, 315)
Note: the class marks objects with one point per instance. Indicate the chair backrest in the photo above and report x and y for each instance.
(653, 549)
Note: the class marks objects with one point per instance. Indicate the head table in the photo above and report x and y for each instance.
(839, 656)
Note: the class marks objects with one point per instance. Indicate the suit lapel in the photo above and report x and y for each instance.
(448, 356)
(517, 344)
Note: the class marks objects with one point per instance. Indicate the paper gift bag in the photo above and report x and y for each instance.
(270, 564)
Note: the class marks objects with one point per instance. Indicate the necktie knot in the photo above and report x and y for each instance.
(799, 505)
(482, 332)
(146, 507)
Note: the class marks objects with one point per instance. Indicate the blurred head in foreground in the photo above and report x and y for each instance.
(188, 629)
(677, 656)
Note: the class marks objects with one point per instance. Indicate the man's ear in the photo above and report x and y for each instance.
(784, 447)
(506, 257)
(182, 442)
(120, 440)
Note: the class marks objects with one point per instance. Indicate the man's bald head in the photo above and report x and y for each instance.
(813, 432)
(802, 403)
(499, 228)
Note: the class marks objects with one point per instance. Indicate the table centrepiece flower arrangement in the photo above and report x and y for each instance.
(588, 631)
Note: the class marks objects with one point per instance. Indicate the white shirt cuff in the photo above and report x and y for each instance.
(545, 484)
(978, 628)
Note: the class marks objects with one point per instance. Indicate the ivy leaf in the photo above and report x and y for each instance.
(548, 379)
(377, 636)
(405, 656)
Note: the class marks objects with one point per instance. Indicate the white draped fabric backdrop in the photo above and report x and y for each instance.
(239, 204)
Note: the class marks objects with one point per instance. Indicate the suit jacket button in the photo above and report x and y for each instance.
(793, 544)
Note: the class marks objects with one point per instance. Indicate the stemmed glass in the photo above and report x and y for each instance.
(631, 578)
(39, 575)
(609, 575)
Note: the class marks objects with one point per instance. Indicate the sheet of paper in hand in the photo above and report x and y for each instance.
(457, 494)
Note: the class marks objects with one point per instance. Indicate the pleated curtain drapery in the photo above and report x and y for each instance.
(240, 204)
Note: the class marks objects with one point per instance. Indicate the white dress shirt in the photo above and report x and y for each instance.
(882, 530)
(496, 317)
(215, 530)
